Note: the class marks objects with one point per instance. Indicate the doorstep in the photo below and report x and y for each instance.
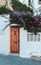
(14, 54)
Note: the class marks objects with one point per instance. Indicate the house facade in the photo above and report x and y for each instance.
(17, 40)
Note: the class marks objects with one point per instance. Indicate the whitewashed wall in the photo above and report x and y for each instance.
(24, 2)
(36, 3)
(4, 36)
(29, 48)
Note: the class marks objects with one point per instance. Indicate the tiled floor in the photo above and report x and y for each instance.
(15, 60)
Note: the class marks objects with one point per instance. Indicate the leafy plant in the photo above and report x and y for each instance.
(4, 10)
(18, 6)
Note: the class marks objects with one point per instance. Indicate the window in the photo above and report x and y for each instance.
(39, 1)
(32, 37)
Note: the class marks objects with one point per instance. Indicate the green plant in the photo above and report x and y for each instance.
(17, 6)
(4, 10)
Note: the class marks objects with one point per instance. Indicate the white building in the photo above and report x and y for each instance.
(24, 46)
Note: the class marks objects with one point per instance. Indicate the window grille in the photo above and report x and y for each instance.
(32, 37)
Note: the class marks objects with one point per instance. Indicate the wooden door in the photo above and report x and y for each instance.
(14, 39)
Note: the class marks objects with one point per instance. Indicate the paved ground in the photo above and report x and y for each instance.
(15, 60)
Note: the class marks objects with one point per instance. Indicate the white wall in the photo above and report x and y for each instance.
(4, 36)
(28, 48)
(24, 2)
(36, 5)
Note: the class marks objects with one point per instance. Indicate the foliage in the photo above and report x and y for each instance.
(17, 6)
(23, 15)
(4, 10)
(27, 20)
(34, 24)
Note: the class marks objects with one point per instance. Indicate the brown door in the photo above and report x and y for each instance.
(14, 39)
